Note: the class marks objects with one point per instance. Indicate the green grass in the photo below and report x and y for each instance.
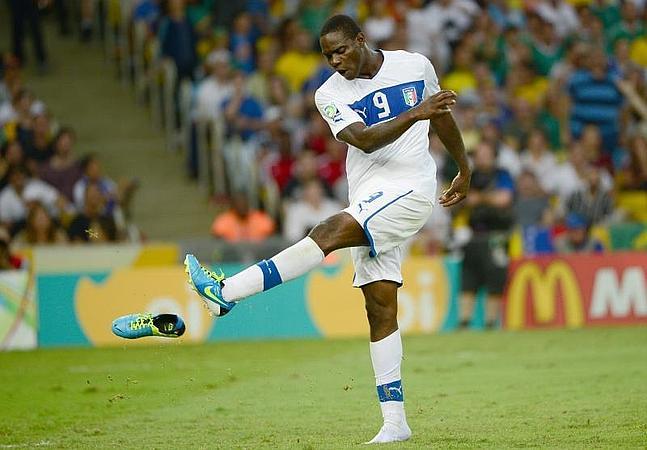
(557, 389)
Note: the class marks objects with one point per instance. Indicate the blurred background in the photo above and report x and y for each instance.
(132, 132)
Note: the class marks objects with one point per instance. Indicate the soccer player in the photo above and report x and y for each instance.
(381, 104)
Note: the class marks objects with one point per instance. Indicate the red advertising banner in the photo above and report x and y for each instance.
(576, 291)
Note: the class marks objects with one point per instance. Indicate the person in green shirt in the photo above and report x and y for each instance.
(631, 26)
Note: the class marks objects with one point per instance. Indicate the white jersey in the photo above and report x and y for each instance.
(403, 80)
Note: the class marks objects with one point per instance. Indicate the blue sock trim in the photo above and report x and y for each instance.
(391, 392)
(271, 275)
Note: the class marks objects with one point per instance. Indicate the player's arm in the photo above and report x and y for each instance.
(445, 127)
(369, 139)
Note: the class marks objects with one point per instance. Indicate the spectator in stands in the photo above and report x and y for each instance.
(146, 11)
(538, 159)
(332, 167)
(20, 192)
(305, 169)
(313, 14)
(210, 94)
(258, 83)
(449, 19)
(491, 192)
(420, 36)
(27, 13)
(630, 27)
(317, 133)
(20, 110)
(593, 203)
(570, 176)
(92, 174)
(8, 261)
(491, 217)
(460, 77)
(559, 14)
(240, 223)
(244, 119)
(281, 161)
(466, 115)
(577, 237)
(635, 173)
(574, 60)
(215, 88)
(40, 228)
(11, 155)
(546, 46)
(313, 207)
(522, 122)
(37, 142)
(525, 84)
(531, 204)
(92, 224)
(62, 171)
(178, 39)
(507, 156)
(591, 141)
(243, 112)
(380, 25)
(596, 100)
(299, 62)
(242, 42)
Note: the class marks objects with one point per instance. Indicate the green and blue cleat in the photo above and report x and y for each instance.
(208, 285)
(134, 326)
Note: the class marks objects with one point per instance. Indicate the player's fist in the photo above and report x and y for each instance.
(439, 103)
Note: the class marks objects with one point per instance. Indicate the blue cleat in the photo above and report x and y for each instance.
(208, 285)
(134, 326)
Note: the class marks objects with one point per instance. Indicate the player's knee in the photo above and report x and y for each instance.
(322, 235)
(326, 234)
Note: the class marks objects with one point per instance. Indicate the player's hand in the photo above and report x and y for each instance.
(457, 191)
(439, 103)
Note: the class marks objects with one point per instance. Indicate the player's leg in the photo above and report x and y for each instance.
(338, 231)
(467, 301)
(497, 273)
(386, 357)
(473, 278)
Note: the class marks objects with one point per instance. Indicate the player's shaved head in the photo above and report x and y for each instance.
(342, 23)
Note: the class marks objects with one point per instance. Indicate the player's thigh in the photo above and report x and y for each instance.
(390, 217)
(387, 266)
(338, 231)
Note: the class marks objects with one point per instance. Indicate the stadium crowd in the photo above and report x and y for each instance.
(48, 193)
(551, 103)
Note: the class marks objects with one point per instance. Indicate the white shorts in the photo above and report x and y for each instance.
(389, 218)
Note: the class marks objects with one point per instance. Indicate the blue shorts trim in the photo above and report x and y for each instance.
(372, 252)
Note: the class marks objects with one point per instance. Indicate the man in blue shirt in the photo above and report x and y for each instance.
(596, 100)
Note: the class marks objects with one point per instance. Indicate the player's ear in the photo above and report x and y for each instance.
(360, 39)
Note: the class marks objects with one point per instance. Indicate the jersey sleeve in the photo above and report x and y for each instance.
(431, 79)
(337, 114)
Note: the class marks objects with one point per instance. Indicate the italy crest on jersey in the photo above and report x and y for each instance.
(410, 96)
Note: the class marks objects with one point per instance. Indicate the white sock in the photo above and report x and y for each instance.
(386, 355)
(291, 263)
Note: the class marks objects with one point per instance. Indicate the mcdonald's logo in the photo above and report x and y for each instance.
(529, 284)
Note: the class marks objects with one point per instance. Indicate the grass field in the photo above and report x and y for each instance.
(557, 389)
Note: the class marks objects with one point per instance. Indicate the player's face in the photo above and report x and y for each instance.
(343, 53)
